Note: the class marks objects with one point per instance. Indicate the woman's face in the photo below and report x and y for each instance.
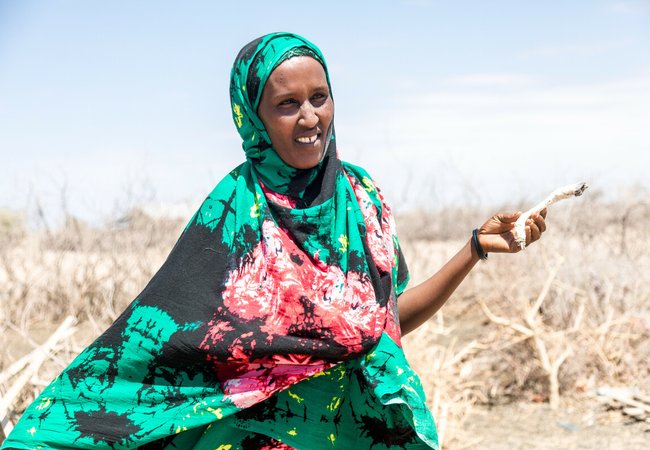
(297, 109)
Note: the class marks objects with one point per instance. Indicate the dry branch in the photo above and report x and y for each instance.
(36, 359)
(562, 193)
(631, 403)
(537, 332)
(503, 321)
(14, 368)
(634, 400)
(533, 310)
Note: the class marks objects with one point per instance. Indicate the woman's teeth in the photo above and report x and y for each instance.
(307, 140)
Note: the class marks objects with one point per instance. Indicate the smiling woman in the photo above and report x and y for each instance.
(274, 323)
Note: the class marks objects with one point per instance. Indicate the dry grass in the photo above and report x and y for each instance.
(567, 315)
(87, 273)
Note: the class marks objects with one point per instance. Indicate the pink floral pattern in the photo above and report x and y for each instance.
(381, 241)
(251, 383)
(273, 286)
(277, 198)
(378, 235)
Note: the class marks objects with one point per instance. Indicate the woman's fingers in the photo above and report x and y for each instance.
(535, 233)
(496, 233)
(539, 221)
(529, 232)
(537, 226)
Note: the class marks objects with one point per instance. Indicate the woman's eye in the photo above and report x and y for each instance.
(318, 98)
(288, 102)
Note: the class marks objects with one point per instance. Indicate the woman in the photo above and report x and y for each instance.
(274, 322)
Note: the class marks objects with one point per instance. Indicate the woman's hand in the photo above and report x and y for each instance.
(497, 235)
(419, 303)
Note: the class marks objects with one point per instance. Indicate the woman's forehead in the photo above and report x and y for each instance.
(296, 72)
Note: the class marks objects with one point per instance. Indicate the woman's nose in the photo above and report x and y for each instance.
(308, 117)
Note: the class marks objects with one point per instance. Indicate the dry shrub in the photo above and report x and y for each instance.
(12, 227)
(90, 273)
(573, 309)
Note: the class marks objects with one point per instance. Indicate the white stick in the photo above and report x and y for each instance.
(573, 190)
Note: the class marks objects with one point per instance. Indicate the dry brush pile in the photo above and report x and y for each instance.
(567, 315)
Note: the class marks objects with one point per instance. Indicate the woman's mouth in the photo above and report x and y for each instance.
(307, 139)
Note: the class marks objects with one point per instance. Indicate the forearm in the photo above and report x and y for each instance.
(419, 303)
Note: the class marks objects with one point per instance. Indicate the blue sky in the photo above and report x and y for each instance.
(109, 104)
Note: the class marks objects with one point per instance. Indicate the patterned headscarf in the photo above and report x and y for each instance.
(249, 75)
(282, 288)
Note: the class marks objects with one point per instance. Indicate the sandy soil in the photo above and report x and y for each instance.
(586, 425)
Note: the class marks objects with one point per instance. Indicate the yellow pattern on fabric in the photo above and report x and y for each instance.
(238, 115)
(197, 405)
(217, 412)
(368, 183)
(255, 209)
(296, 397)
(334, 404)
(344, 243)
(45, 402)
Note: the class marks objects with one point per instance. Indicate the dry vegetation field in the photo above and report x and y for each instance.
(514, 360)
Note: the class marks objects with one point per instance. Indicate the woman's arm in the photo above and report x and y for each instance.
(419, 303)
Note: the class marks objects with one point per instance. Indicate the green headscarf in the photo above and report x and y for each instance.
(249, 74)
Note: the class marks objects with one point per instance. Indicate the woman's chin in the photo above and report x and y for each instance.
(305, 159)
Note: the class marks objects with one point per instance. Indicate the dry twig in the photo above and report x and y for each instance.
(36, 359)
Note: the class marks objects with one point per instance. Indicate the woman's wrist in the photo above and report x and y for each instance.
(476, 245)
